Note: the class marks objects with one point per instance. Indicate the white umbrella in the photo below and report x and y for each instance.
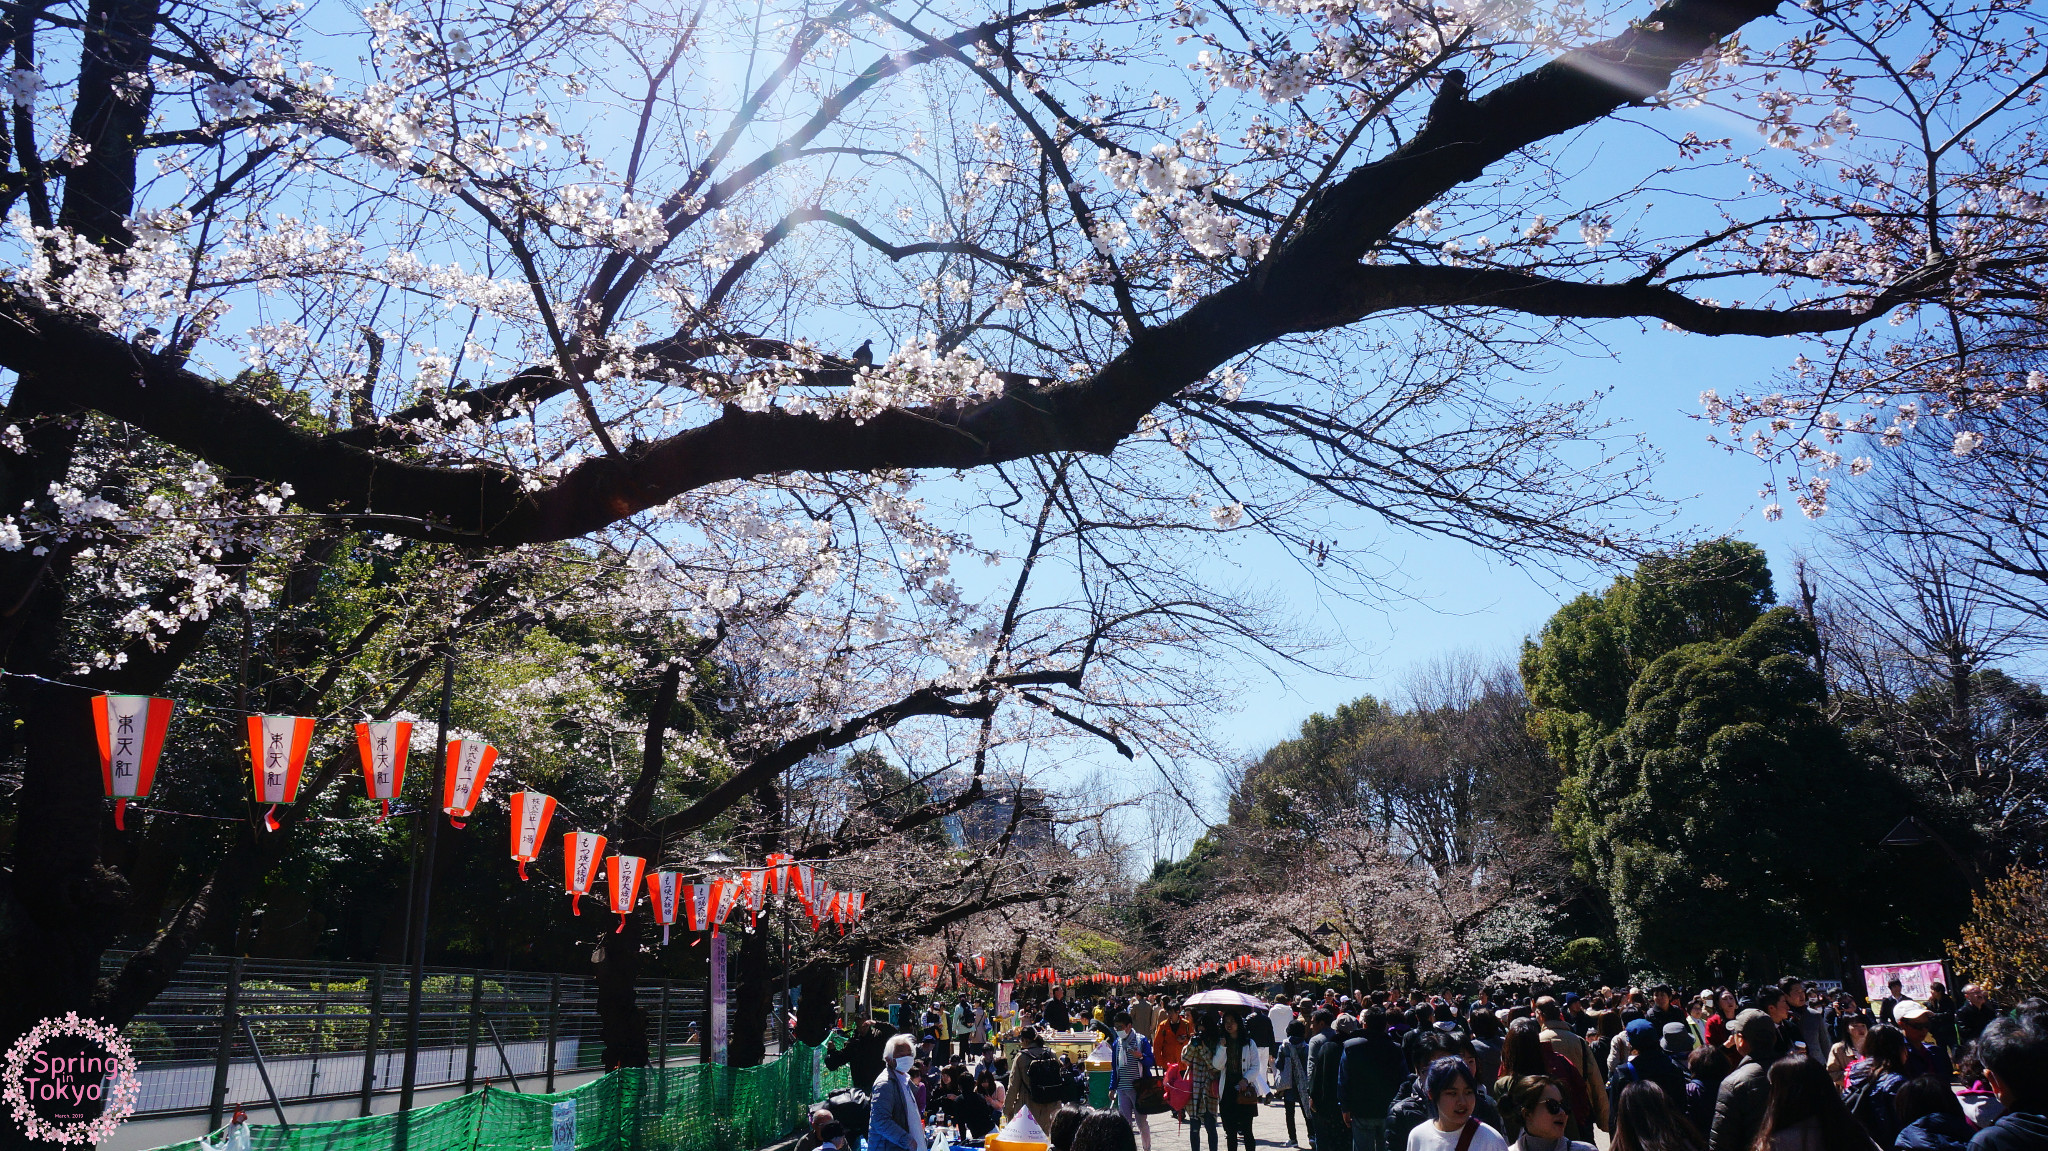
(1224, 997)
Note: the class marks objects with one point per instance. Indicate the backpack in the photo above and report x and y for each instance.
(1868, 1102)
(1042, 1073)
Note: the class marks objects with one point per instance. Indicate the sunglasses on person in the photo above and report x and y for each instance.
(1552, 1106)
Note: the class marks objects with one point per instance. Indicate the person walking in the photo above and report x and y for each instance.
(1453, 1095)
(1977, 1011)
(1803, 1112)
(1873, 1084)
(1290, 1074)
(1327, 1130)
(1200, 1058)
(1241, 1082)
(1537, 1104)
(1647, 1060)
(1130, 1060)
(1367, 1080)
(2015, 1057)
(1037, 1081)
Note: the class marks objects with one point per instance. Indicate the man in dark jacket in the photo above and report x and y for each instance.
(861, 1056)
(1739, 1108)
(1977, 1011)
(1366, 1079)
(2015, 1055)
(1319, 1094)
(1055, 1013)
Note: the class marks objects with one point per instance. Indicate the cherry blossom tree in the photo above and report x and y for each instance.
(738, 299)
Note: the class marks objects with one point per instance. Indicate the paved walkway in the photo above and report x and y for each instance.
(1269, 1128)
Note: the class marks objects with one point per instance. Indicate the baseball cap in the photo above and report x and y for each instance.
(1909, 1011)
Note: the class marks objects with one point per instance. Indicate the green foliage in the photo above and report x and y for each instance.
(1728, 813)
(1578, 671)
(1580, 668)
(1186, 881)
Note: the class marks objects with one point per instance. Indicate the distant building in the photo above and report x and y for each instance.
(986, 819)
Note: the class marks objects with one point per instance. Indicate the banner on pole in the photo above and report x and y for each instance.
(1004, 990)
(717, 999)
(1913, 978)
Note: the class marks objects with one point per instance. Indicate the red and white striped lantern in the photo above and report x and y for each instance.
(531, 812)
(778, 871)
(383, 746)
(753, 893)
(277, 754)
(725, 896)
(697, 907)
(131, 730)
(665, 892)
(469, 764)
(581, 851)
(623, 873)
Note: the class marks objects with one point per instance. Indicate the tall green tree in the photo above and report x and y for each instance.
(1579, 670)
(1727, 818)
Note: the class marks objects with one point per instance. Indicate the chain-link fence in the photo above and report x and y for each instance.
(698, 1108)
(241, 1033)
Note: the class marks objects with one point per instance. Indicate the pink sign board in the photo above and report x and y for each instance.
(1913, 979)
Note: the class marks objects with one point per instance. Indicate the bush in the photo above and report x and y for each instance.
(2004, 946)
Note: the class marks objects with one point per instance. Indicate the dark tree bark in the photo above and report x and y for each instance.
(622, 1023)
(817, 1005)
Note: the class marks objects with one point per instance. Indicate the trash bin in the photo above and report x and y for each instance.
(1099, 1092)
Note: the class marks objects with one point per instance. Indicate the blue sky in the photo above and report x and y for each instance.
(1460, 598)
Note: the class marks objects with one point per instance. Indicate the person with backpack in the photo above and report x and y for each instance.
(1649, 1062)
(1036, 1081)
(1873, 1088)
(1525, 1053)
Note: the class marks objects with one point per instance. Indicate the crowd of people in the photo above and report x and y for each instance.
(1769, 1067)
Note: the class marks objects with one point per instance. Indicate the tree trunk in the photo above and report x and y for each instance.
(622, 1023)
(753, 998)
(817, 1004)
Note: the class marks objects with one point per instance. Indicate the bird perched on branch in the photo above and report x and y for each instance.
(864, 356)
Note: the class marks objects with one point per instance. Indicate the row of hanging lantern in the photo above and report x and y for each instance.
(932, 969)
(131, 731)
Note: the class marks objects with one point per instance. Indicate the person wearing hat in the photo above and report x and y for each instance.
(1677, 1041)
(1649, 1062)
(1922, 1056)
(1744, 1095)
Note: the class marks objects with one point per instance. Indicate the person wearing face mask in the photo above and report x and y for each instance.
(1130, 1059)
(894, 1122)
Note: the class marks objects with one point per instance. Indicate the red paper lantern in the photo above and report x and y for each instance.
(623, 872)
(131, 731)
(531, 812)
(665, 891)
(580, 852)
(277, 754)
(469, 764)
(382, 747)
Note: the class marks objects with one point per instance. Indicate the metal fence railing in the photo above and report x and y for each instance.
(245, 1033)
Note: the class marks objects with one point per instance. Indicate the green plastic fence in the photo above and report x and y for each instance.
(699, 1108)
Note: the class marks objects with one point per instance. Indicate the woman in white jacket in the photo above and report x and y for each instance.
(1241, 1081)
